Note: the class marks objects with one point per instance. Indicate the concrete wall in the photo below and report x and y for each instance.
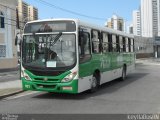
(144, 47)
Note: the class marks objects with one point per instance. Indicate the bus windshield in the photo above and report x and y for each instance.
(49, 50)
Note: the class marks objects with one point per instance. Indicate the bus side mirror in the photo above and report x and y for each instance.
(18, 39)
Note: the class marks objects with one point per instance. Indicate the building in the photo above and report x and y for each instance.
(32, 13)
(150, 22)
(146, 18)
(136, 23)
(158, 5)
(22, 12)
(144, 47)
(8, 50)
(26, 13)
(150, 18)
(130, 29)
(109, 23)
(116, 23)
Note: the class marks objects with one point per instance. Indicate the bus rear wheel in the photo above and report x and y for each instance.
(124, 73)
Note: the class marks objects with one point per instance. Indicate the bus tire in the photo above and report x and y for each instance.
(124, 73)
(94, 83)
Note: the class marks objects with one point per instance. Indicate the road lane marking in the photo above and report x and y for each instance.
(26, 93)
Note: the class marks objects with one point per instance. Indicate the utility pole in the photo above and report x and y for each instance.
(17, 19)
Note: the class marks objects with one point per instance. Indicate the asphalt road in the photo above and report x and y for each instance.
(140, 93)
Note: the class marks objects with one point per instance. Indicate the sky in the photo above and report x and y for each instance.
(103, 9)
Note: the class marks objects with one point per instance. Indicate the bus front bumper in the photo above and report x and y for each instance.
(70, 87)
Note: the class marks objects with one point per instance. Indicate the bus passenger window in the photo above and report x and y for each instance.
(86, 44)
(114, 43)
(121, 43)
(127, 45)
(84, 47)
(95, 42)
(124, 44)
(132, 45)
(117, 43)
(105, 42)
(110, 43)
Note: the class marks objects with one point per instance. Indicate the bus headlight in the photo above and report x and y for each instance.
(25, 75)
(69, 77)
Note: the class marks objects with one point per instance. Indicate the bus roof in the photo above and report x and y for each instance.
(87, 24)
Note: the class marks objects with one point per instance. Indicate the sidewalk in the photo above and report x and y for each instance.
(10, 88)
(148, 61)
(9, 82)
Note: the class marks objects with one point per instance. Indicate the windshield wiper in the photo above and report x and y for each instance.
(52, 42)
(56, 38)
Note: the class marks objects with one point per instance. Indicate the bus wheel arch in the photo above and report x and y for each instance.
(95, 82)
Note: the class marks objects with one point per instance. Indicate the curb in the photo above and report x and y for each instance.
(147, 63)
(10, 94)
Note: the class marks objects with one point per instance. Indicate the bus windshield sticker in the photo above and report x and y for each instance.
(51, 64)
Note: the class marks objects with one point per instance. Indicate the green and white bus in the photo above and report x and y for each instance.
(71, 56)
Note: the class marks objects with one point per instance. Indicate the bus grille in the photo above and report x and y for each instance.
(46, 86)
(46, 73)
(48, 79)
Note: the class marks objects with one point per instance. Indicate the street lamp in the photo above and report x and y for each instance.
(24, 21)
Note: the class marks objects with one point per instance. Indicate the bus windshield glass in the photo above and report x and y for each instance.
(49, 50)
(50, 26)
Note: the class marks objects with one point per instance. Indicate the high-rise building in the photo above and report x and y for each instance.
(116, 23)
(150, 18)
(26, 12)
(130, 29)
(158, 4)
(22, 12)
(136, 23)
(109, 23)
(32, 13)
(155, 17)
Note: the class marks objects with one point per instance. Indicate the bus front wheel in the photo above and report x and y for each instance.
(94, 83)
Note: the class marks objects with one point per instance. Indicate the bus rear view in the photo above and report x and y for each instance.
(49, 57)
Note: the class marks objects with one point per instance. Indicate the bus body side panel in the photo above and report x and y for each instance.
(111, 75)
(110, 66)
(84, 84)
(131, 66)
(86, 71)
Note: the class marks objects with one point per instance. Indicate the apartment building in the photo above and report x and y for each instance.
(32, 13)
(130, 29)
(150, 18)
(116, 23)
(137, 23)
(26, 13)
